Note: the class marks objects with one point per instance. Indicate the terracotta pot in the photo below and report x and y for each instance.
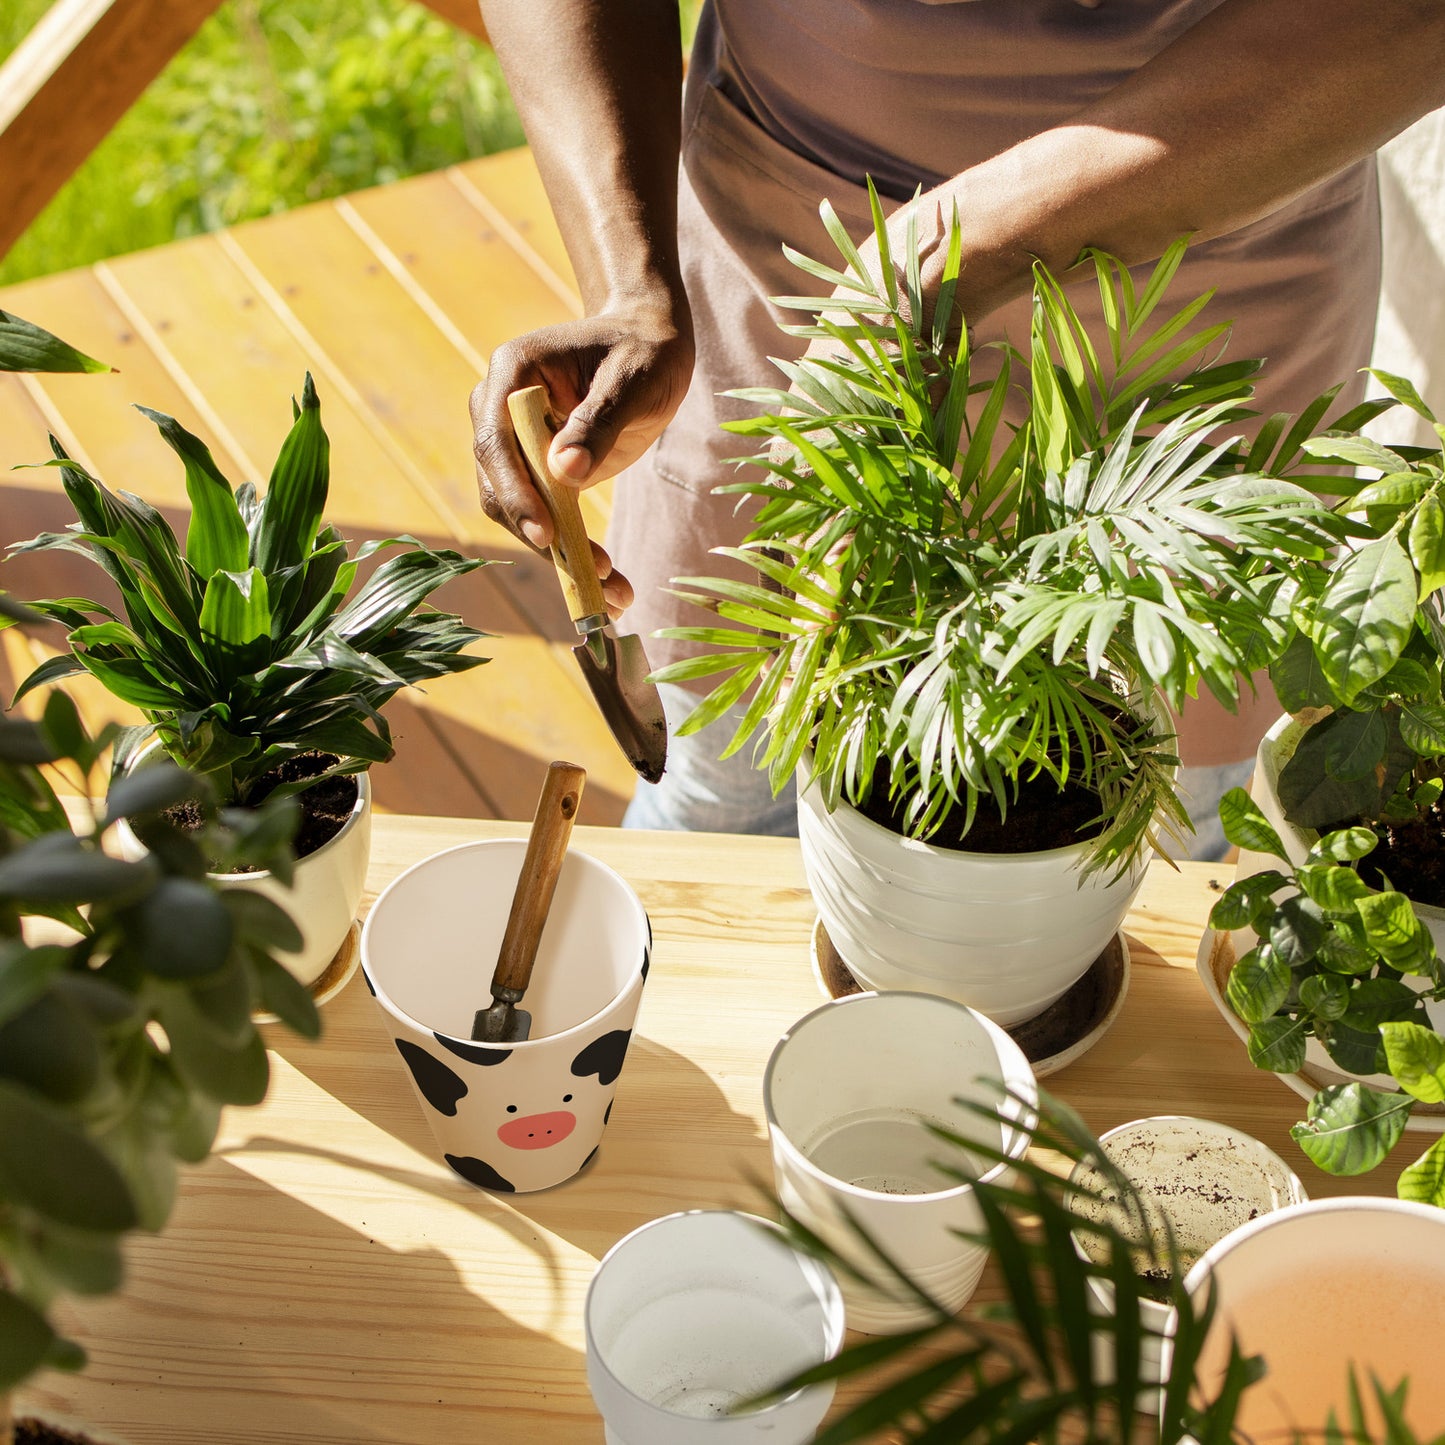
(1319, 1287)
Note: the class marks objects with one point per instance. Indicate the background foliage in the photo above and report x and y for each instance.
(273, 104)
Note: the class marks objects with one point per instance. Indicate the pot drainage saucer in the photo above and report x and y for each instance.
(337, 974)
(1050, 1041)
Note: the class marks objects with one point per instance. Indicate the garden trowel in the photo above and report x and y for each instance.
(504, 1022)
(615, 667)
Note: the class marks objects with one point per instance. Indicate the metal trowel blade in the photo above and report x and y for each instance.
(627, 699)
(502, 1023)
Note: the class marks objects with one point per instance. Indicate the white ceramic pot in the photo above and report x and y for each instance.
(852, 1093)
(1275, 750)
(1319, 1287)
(1006, 934)
(326, 892)
(1206, 1180)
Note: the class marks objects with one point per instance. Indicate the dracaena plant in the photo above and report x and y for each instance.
(252, 643)
(127, 991)
(1363, 663)
(1333, 959)
(957, 604)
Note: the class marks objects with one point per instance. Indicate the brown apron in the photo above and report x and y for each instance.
(787, 103)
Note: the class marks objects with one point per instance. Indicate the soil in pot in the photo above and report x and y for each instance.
(1411, 855)
(1041, 817)
(324, 807)
(31, 1431)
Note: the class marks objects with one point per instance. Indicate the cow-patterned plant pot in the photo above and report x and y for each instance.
(523, 1116)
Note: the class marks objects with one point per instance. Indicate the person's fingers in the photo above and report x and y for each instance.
(617, 591)
(585, 440)
(504, 484)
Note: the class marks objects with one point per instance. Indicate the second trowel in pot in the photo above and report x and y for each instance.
(503, 1022)
(615, 667)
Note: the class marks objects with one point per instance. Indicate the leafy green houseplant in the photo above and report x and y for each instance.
(1334, 960)
(963, 621)
(257, 660)
(126, 998)
(1362, 670)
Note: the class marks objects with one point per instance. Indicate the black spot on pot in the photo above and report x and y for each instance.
(646, 959)
(607, 1113)
(590, 1157)
(439, 1085)
(474, 1053)
(370, 986)
(480, 1173)
(603, 1056)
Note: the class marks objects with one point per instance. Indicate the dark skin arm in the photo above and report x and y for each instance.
(598, 84)
(1251, 107)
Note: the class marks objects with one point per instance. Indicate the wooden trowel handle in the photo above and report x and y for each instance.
(546, 848)
(571, 551)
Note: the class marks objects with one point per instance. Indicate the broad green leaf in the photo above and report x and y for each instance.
(296, 495)
(260, 921)
(1311, 796)
(49, 1165)
(228, 1075)
(1349, 1129)
(150, 789)
(1355, 747)
(134, 683)
(82, 1261)
(1332, 886)
(1427, 544)
(1422, 725)
(1278, 1044)
(1298, 678)
(217, 540)
(1416, 1057)
(26, 1337)
(59, 868)
(51, 1047)
(1296, 931)
(1246, 826)
(1395, 933)
(1403, 391)
(1258, 984)
(1243, 899)
(1325, 996)
(1365, 617)
(283, 996)
(1424, 1180)
(182, 929)
(1344, 845)
(27, 347)
(1356, 452)
(237, 609)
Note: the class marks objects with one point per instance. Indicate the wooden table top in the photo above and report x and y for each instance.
(326, 1279)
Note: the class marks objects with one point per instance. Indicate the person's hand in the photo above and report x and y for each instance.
(614, 382)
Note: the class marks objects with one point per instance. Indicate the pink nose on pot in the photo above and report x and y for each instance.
(537, 1131)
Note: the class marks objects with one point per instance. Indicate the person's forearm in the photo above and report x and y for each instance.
(598, 86)
(1251, 107)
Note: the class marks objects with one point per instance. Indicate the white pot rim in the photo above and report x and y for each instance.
(1011, 1063)
(1340, 1204)
(613, 1005)
(362, 804)
(831, 1301)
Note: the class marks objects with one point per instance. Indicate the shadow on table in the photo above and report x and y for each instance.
(673, 1141)
(285, 1324)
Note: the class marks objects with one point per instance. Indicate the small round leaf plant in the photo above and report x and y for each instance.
(248, 646)
(127, 993)
(1352, 966)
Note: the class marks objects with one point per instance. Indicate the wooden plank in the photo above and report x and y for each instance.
(98, 413)
(66, 84)
(508, 190)
(454, 256)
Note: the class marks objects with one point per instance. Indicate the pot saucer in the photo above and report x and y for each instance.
(1214, 961)
(336, 975)
(1050, 1041)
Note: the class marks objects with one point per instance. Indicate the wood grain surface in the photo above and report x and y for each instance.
(327, 1279)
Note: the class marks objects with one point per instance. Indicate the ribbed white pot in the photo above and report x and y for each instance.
(326, 892)
(1275, 750)
(1006, 934)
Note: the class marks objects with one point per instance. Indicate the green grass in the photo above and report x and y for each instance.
(274, 103)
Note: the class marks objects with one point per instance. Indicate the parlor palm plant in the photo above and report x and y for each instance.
(953, 605)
